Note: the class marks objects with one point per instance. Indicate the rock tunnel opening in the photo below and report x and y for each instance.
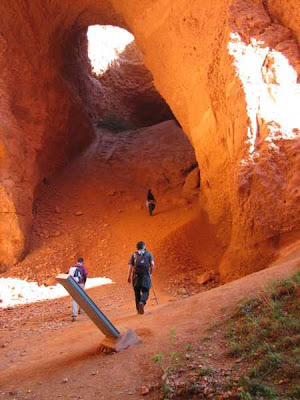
(107, 70)
(130, 141)
(48, 115)
(219, 66)
(124, 94)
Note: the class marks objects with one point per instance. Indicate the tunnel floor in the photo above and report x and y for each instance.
(96, 209)
(46, 356)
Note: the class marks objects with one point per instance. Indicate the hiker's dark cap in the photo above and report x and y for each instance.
(140, 245)
(80, 260)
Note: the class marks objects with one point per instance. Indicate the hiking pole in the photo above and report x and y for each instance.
(156, 299)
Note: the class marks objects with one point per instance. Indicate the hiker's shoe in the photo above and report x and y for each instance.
(73, 319)
(141, 308)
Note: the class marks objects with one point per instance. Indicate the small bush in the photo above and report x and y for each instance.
(265, 332)
(250, 306)
(172, 336)
(165, 390)
(204, 371)
(252, 389)
(158, 358)
(189, 347)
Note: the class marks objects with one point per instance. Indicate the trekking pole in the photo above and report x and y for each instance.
(156, 299)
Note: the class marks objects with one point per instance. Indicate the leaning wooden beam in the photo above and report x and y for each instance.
(113, 340)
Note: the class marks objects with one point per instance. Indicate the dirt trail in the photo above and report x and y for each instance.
(71, 352)
(96, 206)
(95, 209)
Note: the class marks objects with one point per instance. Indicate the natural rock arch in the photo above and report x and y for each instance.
(198, 53)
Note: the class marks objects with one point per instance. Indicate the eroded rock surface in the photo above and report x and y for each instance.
(229, 71)
(126, 90)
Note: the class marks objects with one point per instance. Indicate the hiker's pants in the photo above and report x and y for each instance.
(75, 305)
(151, 208)
(141, 295)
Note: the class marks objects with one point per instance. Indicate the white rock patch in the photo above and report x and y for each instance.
(15, 291)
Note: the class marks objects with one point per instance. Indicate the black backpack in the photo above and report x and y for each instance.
(141, 263)
(78, 274)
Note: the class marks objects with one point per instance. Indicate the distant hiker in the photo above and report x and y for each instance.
(141, 267)
(79, 273)
(151, 202)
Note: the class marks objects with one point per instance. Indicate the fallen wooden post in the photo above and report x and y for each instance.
(114, 340)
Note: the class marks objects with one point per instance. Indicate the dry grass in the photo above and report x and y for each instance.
(265, 334)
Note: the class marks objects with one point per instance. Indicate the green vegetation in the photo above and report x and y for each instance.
(189, 347)
(254, 390)
(182, 360)
(172, 336)
(204, 371)
(165, 390)
(264, 336)
(158, 358)
(265, 332)
(170, 362)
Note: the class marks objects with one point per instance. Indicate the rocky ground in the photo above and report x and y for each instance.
(183, 352)
(96, 209)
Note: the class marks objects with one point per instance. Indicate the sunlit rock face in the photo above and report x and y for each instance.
(123, 88)
(266, 59)
(44, 121)
(228, 70)
(105, 66)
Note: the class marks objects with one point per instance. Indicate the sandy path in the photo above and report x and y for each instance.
(72, 351)
(41, 347)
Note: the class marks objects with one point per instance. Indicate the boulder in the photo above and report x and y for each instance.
(205, 277)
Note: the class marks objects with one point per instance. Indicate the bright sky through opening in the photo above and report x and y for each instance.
(105, 43)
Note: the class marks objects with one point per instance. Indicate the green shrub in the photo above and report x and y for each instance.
(255, 390)
(158, 358)
(264, 331)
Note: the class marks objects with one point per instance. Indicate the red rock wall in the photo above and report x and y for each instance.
(227, 69)
(125, 90)
(43, 121)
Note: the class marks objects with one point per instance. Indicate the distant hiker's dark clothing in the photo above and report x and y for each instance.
(151, 202)
(150, 197)
(141, 279)
(151, 208)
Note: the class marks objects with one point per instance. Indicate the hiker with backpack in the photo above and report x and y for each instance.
(151, 202)
(79, 274)
(141, 267)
